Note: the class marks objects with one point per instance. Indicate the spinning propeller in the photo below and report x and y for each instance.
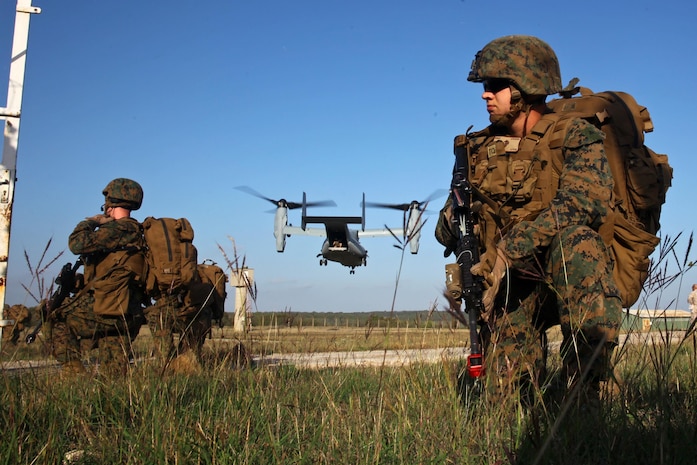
(413, 217)
(286, 204)
(408, 206)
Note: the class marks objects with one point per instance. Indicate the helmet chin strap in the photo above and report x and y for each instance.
(518, 105)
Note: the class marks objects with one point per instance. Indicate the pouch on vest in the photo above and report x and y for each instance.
(112, 292)
(630, 251)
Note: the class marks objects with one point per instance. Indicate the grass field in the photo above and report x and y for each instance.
(229, 413)
(324, 339)
(350, 334)
(402, 415)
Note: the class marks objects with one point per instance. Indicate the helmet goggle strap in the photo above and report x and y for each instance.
(516, 95)
(110, 202)
(518, 104)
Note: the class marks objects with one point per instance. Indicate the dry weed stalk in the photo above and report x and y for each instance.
(37, 274)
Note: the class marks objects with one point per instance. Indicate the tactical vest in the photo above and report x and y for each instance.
(515, 178)
(129, 256)
(131, 259)
(521, 174)
(111, 278)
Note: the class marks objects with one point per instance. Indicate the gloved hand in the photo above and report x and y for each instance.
(492, 276)
(100, 219)
(446, 229)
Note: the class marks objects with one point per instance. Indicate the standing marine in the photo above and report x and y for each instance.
(543, 262)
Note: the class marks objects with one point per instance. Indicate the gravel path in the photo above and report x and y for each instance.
(367, 358)
(370, 358)
(407, 357)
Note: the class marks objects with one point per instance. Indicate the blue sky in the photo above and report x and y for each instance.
(326, 97)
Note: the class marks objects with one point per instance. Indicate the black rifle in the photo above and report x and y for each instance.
(67, 282)
(467, 254)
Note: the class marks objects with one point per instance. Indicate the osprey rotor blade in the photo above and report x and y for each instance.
(406, 206)
(392, 206)
(316, 203)
(250, 191)
(283, 202)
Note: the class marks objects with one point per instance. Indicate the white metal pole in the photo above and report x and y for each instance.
(11, 115)
(242, 280)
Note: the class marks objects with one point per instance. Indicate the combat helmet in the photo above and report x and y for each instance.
(528, 62)
(123, 192)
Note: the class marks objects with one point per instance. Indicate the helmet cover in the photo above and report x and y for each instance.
(528, 62)
(123, 192)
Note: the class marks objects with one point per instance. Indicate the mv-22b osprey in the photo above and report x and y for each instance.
(342, 244)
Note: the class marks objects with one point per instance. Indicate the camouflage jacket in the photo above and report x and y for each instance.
(555, 177)
(102, 246)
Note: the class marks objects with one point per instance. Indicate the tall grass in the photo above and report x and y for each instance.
(382, 415)
(349, 415)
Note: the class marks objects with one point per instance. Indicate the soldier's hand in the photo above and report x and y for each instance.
(446, 229)
(492, 276)
(100, 219)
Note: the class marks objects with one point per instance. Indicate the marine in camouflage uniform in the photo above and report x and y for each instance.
(21, 316)
(179, 329)
(180, 320)
(544, 263)
(108, 312)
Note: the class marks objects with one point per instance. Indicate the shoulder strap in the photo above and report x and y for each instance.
(544, 143)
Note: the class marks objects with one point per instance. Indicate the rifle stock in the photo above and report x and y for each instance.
(66, 281)
(467, 254)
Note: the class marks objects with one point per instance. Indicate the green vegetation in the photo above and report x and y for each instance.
(232, 414)
(411, 414)
(402, 319)
(303, 336)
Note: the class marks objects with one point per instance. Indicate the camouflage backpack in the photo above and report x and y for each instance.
(642, 178)
(171, 256)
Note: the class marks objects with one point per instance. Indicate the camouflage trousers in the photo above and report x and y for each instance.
(75, 325)
(570, 285)
(168, 319)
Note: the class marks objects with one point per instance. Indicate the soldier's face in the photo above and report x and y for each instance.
(497, 95)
